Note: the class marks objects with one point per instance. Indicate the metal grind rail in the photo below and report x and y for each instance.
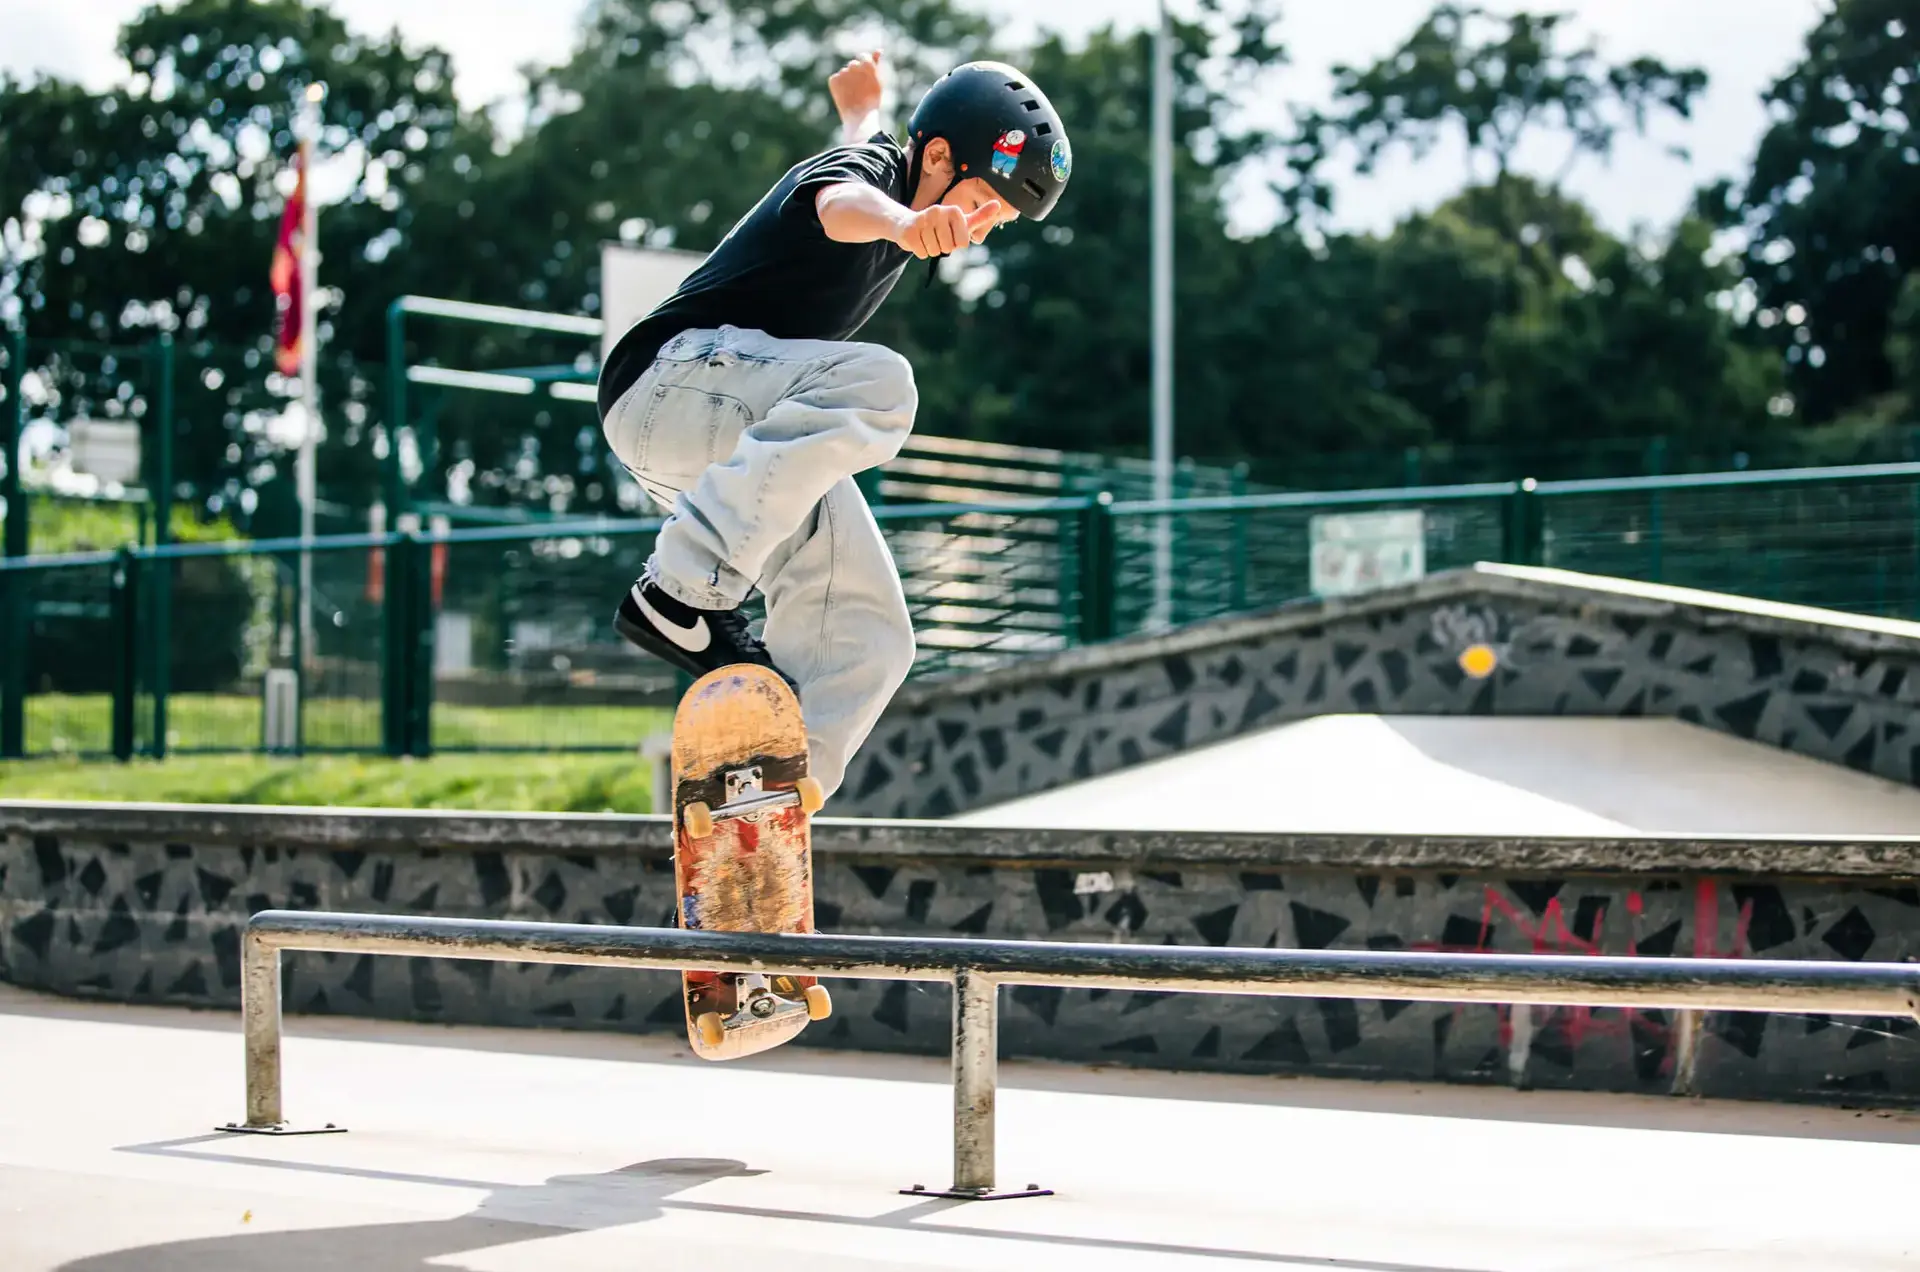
(977, 968)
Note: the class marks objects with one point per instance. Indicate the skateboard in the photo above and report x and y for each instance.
(743, 852)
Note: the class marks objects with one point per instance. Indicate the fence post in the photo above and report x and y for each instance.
(125, 620)
(1237, 597)
(1656, 509)
(396, 640)
(160, 638)
(396, 491)
(13, 427)
(420, 646)
(13, 585)
(1525, 529)
(1096, 569)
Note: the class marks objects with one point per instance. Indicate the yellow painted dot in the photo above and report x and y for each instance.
(1479, 661)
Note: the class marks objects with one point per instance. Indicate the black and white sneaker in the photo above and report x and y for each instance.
(694, 640)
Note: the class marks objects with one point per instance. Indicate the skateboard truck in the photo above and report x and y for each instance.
(748, 798)
(756, 1002)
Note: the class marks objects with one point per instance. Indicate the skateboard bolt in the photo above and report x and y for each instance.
(763, 1007)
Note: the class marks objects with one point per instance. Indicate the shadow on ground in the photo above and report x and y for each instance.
(573, 1203)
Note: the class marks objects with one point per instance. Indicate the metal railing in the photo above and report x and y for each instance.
(977, 968)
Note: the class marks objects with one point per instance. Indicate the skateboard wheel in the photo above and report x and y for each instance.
(711, 1030)
(819, 1001)
(812, 798)
(698, 819)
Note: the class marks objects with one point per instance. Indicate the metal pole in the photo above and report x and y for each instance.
(976, 1058)
(1162, 316)
(306, 476)
(260, 1023)
(14, 435)
(124, 604)
(161, 641)
(396, 407)
(13, 543)
(1777, 985)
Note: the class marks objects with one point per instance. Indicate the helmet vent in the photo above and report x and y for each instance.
(1041, 130)
(1015, 85)
(1034, 188)
(1031, 104)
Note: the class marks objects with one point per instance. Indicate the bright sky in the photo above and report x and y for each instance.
(1743, 44)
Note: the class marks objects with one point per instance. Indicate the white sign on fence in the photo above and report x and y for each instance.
(107, 449)
(1356, 552)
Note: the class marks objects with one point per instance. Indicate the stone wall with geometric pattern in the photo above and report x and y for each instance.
(147, 905)
(1832, 686)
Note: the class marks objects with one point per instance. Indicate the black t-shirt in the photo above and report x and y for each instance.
(777, 271)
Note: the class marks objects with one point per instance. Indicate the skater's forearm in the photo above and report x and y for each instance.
(858, 128)
(851, 212)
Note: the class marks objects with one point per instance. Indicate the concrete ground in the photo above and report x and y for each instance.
(1478, 775)
(500, 1151)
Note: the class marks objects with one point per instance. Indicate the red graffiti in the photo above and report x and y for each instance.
(1552, 934)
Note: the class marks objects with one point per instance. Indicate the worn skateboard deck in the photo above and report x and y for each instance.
(739, 744)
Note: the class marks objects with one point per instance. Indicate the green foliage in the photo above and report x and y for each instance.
(1830, 208)
(58, 526)
(1503, 318)
(1496, 78)
(154, 205)
(497, 783)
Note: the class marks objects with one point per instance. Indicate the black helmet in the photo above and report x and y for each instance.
(1001, 128)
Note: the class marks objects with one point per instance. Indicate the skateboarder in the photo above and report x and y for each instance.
(742, 404)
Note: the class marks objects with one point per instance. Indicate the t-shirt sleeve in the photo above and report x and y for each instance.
(870, 164)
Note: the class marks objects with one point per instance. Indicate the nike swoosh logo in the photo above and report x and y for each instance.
(694, 639)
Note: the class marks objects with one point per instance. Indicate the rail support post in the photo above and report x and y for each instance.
(976, 1063)
(260, 1023)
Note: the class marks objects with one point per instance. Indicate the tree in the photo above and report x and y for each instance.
(1832, 208)
(1497, 80)
(1054, 349)
(153, 207)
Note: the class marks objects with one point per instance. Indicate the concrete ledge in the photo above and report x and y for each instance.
(149, 904)
(860, 839)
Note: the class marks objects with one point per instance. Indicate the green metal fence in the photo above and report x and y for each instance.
(1839, 538)
(1249, 552)
(498, 638)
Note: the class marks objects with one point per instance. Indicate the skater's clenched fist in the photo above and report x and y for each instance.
(856, 87)
(944, 228)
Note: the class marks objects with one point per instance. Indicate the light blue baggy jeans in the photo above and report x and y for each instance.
(752, 443)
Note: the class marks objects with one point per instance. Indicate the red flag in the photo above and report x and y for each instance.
(286, 272)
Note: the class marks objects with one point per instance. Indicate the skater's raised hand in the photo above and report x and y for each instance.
(945, 228)
(857, 91)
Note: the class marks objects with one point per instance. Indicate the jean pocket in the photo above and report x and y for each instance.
(685, 430)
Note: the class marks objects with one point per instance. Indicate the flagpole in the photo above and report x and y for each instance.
(306, 477)
(1161, 609)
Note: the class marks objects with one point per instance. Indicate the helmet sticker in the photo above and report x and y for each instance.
(1006, 151)
(1062, 161)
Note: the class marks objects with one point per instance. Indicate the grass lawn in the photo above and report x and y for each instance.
(63, 724)
(619, 783)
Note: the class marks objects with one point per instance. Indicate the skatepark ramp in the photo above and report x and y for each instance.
(977, 968)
